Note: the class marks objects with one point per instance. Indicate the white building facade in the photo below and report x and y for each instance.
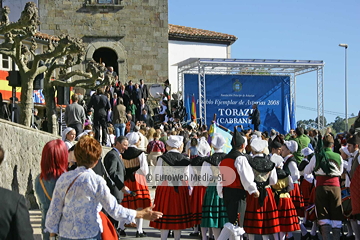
(186, 42)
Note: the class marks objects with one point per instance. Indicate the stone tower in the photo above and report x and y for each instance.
(130, 35)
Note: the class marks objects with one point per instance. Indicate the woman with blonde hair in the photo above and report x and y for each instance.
(79, 195)
(150, 134)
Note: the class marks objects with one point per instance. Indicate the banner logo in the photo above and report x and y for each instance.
(237, 85)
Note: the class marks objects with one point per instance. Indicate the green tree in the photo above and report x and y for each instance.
(339, 124)
(62, 53)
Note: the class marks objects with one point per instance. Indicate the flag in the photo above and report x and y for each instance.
(227, 136)
(188, 109)
(38, 96)
(193, 109)
(286, 118)
(292, 117)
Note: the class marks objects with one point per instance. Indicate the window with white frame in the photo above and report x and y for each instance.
(5, 62)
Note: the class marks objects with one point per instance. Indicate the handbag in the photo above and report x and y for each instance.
(109, 231)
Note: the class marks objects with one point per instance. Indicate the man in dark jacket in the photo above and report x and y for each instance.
(116, 170)
(144, 90)
(101, 105)
(14, 215)
(255, 117)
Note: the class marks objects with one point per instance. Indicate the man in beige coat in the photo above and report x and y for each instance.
(119, 118)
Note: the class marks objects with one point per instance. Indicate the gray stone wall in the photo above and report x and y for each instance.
(23, 147)
(138, 27)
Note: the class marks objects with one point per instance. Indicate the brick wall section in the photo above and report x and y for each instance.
(140, 26)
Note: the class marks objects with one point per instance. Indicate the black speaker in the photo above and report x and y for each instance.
(14, 79)
(63, 95)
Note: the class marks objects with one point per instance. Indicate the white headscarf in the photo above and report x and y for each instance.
(203, 147)
(291, 145)
(218, 141)
(175, 141)
(133, 137)
(65, 132)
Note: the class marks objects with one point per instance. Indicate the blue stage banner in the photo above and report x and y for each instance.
(231, 97)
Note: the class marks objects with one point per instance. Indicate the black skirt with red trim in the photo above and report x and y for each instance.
(142, 198)
(175, 206)
(261, 220)
(288, 218)
(297, 199)
(306, 188)
(196, 202)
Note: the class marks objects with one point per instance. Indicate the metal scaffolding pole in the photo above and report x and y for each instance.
(320, 98)
(202, 95)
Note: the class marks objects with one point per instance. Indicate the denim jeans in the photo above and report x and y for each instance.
(119, 129)
(98, 237)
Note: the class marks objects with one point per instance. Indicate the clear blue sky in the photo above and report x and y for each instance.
(289, 29)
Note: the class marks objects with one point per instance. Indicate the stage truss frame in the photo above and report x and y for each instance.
(291, 68)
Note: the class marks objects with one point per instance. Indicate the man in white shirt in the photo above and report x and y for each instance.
(234, 193)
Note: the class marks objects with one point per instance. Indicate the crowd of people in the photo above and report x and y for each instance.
(268, 184)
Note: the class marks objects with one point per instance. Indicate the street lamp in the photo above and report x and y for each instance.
(346, 88)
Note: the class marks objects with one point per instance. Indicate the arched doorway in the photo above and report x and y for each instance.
(108, 56)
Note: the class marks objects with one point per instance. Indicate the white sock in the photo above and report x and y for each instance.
(216, 232)
(121, 224)
(177, 234)
(265, 237)
(232, 237)
(139, 224)
(276, 236)
(251, 236)
(164, 234)
(349, 229)
(282, 235)
(196, 229)
(203, 233)
(313, 229)
(303, 230)
(225, 234)
(355, 228)
(210, 232)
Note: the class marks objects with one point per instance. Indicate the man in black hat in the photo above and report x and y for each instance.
(255, 117)
(167, 90)
(14, 110)
(234, 193)
(328, 167)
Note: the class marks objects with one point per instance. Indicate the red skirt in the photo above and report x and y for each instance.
(306, 188)
(142, 198)
(175, 206)
(196, 202)
(261, 220)
(288, 218)
(297, 199)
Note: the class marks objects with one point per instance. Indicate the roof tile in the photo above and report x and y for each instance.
(188, 33)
